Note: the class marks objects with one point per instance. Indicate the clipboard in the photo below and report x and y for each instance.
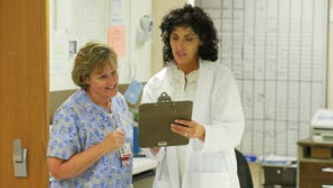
(155, 120)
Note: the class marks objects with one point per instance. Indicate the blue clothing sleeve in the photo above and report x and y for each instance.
(64, 139)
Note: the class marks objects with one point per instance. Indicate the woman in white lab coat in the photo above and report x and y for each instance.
(190, 47)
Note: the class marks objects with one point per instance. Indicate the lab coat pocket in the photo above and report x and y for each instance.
(211, 180)
(162, 184)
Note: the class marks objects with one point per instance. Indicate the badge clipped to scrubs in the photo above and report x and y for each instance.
(125, 154)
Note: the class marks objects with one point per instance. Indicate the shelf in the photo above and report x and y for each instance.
(315, 164)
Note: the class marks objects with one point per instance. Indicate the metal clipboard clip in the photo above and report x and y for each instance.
(164, 97)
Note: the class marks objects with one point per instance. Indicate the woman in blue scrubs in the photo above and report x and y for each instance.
(91, 137)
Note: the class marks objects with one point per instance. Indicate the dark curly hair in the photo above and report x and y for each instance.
(201, 24)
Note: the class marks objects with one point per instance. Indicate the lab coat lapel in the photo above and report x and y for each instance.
(171, 153)
(204, 86)
(169, 82)
(205, 81)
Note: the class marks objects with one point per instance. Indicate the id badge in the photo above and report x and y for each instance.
(125, 154)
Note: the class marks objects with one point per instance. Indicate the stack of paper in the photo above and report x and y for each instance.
(279, 160)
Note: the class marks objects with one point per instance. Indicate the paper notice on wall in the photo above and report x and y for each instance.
(117, 12)
(117, 39)
(61, 62)
(59, 53)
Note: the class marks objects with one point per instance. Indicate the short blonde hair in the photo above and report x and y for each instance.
(94, 56)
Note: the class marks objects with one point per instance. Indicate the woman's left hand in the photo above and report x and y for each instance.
(188, 129)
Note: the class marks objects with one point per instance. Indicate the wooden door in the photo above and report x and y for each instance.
(24, 89)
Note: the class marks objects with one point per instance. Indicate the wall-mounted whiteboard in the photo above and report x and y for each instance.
(76, 22)
(277, 51)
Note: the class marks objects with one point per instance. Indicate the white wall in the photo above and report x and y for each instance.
(330, 60)
(87, 20)
(160, 9)
(139, 55)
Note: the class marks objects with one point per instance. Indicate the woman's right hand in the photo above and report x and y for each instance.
(155, 149)
(113, 141)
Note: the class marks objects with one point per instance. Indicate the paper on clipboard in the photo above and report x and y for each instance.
(155, 120)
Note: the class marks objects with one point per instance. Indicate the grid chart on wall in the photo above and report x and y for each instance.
(277, 52)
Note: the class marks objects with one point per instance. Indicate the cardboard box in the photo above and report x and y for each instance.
(320, 152)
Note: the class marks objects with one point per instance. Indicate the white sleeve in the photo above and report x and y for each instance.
(148, 96)
(148, 93)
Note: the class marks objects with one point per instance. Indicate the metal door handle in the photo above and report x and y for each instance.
(327, 169)
(20, 159)
(326, 186)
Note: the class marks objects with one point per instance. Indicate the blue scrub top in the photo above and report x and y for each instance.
(78, 124)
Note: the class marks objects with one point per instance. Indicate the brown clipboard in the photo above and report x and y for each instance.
(155, 120)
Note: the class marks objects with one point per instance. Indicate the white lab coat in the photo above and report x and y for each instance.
(217, 107)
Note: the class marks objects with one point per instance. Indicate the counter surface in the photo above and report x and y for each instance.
(142, 164)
